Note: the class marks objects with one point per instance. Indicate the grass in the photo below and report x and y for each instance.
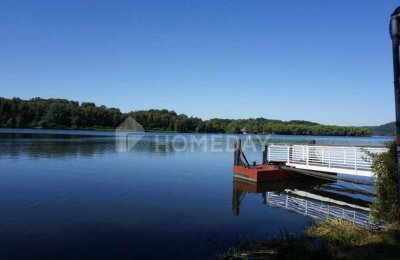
(343, 233)
(336, 239)
(350, 242)
(287, 246)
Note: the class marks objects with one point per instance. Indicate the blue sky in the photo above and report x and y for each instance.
(323, 61)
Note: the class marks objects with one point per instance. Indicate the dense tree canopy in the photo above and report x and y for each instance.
(61, 113)
(56, 113)
(386, 129)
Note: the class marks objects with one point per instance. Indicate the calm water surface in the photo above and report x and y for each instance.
(70, 194)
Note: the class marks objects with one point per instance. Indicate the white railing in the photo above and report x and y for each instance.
(347, 160)
(320, 210)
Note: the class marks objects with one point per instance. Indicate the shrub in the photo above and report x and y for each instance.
(384, 167)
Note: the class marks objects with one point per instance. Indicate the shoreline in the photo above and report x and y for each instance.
(176, 132)
(331, 239)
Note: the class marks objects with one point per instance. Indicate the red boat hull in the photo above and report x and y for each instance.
(260, 173)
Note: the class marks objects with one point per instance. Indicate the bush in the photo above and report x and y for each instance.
(384, 167)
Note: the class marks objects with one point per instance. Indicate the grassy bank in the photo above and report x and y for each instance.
(334, 239)
(349, 241)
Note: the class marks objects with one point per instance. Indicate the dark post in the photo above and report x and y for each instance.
(395, 35)
(265, 155)
(236, 154)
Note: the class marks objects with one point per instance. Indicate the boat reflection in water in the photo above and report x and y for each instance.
(315, 198)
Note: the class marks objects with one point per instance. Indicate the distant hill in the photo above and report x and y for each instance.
(386, 129)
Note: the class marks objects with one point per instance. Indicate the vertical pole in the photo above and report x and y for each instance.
(265, 155)
(355, 159)
(396, 82)
(329, 150)
(322, 156)
(236, 155)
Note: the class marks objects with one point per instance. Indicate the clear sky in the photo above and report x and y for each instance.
(324, 61)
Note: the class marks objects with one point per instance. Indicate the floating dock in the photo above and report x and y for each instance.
(282, 162)
(330, 159)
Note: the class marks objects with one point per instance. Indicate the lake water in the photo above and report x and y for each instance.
(70, 194)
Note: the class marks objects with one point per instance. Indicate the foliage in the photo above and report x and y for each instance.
(61, 113)
(56, 113)
(384, 167)
(353, 242)
(269, 126)
(335, 239)
(343, 233)
(287, 246)
(388, 129)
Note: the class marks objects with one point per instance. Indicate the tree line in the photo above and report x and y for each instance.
(388, 129)
(65, 114)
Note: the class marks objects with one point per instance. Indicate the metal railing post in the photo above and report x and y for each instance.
(329, 150)
(355, 161)
(322, 156)
(288, 154)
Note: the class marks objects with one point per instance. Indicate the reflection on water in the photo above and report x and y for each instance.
(70, 194)
(53, 148)
(309, 197)
(73, 147)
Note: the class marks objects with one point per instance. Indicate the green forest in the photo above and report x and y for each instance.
(386, 129)
(65, 114)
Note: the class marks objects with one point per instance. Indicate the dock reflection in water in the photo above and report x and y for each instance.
(318, 199)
